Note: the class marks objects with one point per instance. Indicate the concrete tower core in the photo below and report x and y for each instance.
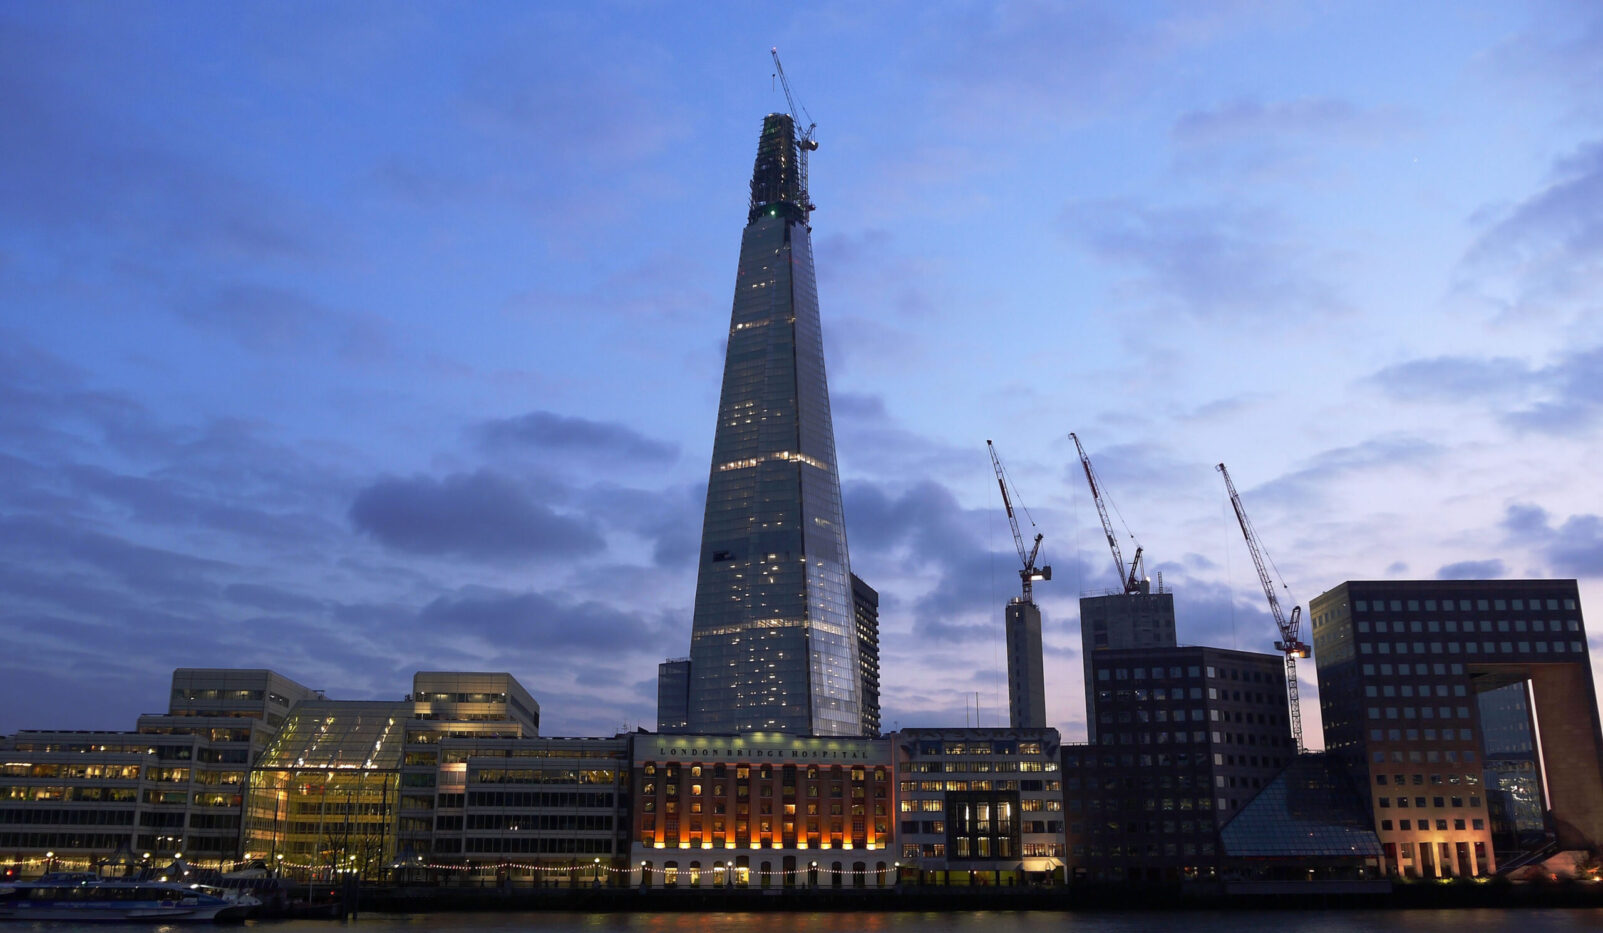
(1026, 675)
(773, 642)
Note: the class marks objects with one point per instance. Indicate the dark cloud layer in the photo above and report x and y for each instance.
(1473, 570)
(1574, 548)
(481, 515)
(549, 432)
(543, 621)
(1552, 242)
(1560, 397)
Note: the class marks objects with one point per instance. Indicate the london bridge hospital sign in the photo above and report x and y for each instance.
(761, 747)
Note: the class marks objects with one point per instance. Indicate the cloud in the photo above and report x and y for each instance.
(1214, 261)
(481, 514)
(1252, 119)
(1548, 248)
(1556, 398)
(72, 161)
(271, 598)
(1473, 570)
(545, 431)
(546, 622)
(1307, 484)
(1574, 548)
(1282, 140)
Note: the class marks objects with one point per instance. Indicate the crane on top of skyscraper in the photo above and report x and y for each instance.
(1028, 573)
(805, 142)
(1131, 581)
(1289, 644)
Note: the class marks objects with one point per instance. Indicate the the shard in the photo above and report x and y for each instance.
(773, 646)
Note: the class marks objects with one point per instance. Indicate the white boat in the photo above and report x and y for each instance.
(86, 897)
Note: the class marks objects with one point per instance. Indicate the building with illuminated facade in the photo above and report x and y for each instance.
(774, 646)
(354, 784)
(979, 806)
(1466, 713)
(174, 786)
(762, 810)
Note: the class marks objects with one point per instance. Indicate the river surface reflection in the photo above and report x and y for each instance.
(1201, 921)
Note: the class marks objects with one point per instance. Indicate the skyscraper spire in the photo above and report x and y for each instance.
(773, 643)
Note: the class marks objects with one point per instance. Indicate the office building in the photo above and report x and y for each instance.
(1142, 619)
(1464, 710)
(673, 695)
(773, 643)
(538, 811)
(762, 810)
(979, 806)
(1026, 672)
(865, 608)
(174, 786)
(353, 784)
(1186, 737)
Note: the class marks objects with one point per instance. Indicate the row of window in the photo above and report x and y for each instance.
(976, 767)
(1425, 825)
(1484, 625)
(908, 787)
(1473, 647)
(1463, 605)
(1439, 803)
(994, 747)
(555, 776)
(541, 799)
(539, 822)
(1181, 738)
(1431, 735)
(98, 816)
(536, 845)
(1420, 712)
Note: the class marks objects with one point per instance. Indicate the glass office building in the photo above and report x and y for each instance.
(774, 645)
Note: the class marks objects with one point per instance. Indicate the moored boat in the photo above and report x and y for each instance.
(86, 897)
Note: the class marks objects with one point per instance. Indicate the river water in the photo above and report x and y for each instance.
(1236, 921)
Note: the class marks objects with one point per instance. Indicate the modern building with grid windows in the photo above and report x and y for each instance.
(1186, 737)
(980, 806)
(1466, 712)
(774, 644)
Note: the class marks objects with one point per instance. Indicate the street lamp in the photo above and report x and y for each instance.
(598, 872)
(50, 865)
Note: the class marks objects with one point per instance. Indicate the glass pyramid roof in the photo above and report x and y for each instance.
(1310, 809)
(338, 734)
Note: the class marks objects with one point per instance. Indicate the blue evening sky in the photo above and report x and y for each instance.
(356, 339)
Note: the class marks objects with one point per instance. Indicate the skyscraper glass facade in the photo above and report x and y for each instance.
(773, 644)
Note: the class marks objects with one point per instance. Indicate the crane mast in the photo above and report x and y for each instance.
(805, 142)
(1131, 580)
(1289, 644)
(1028, 572)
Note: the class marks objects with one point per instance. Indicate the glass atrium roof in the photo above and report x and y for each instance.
(340, 735)
(1310, 809)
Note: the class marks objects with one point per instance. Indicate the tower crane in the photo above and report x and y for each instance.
(1289, 644)
(805, 142)
(1131, 581)
(1028, 573)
